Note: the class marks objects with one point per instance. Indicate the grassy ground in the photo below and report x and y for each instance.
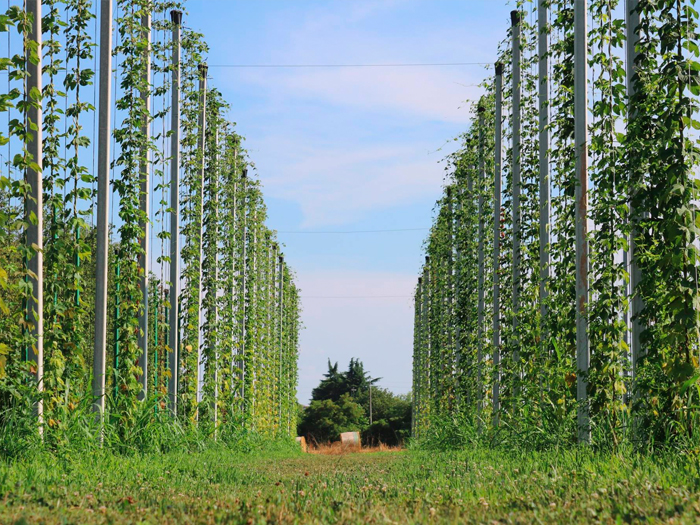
(218, 486)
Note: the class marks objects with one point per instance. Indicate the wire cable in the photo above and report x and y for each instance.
(355, 231)
(296, 66)
(356, 296)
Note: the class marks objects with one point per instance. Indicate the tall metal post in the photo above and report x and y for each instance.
(166, 334)
(545, 203)
(480, 279)
(254, 312)
(174, 338)
(281, 326)
(234, 259)
(272, 320)
(448, 368)
(34, 208)
(632, 29)
(234, 212)
(244, 277)
(515, 19)
(427, 390)
(456, 296)
(202, 143)
(269, 301)
(214, 314)
(288, 377)
(434, 315)
(103, 190)
(417, 335)
(467, 376)
(498, 164)
(144, 206)
(581, 144)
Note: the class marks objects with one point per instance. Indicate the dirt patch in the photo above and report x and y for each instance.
(338, 449)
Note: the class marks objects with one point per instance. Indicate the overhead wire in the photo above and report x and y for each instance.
(320, 66)
(354, 231)
(356, 296)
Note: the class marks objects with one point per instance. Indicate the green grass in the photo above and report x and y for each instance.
(476, 486)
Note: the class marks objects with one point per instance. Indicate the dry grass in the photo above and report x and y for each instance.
(338, 449)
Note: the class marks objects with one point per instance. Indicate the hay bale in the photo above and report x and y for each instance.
(302, 443)
(350, 439)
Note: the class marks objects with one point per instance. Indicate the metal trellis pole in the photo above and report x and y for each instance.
(34, 207)
(456, 302)
(480, 283)
(544, 139)
(515, 19)
(281, 326)
(254, 313)
(103, 190)
(449, 357)
(269, 339)
(144, 206)
(632, 29)
(581, 145)
(234, 213)
(174, 338)
(244, 273)
(426, 331)
(200, 289)
(276, 359)
(498, 150)
(417, 359)
(215, 278)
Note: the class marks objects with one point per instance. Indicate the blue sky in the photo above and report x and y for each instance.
(346, 149)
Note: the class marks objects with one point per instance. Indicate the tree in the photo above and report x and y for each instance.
(326, 417)
(355, 382)
(391, 418)
(324, 420)
(332, 386)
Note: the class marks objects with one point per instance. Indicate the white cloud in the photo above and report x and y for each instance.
(351, 33)
(430, 93)
(338, 186)
(352, 154)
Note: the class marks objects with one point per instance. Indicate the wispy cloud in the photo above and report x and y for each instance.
(367, 32)
(338, 186)
(430, 93)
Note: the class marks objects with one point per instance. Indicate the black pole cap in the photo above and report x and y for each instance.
(499, 68)
(515, 17)
(420, 281)
(427, 259)
(281, 259)
(245, 172)
(176, 17)
(481, 108)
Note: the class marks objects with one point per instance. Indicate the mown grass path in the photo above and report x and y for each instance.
(219, 486)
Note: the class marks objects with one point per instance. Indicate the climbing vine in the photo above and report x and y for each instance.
(239, 308)
(643, 157)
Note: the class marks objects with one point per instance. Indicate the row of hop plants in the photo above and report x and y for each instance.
(494, 354)
(239, 307)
